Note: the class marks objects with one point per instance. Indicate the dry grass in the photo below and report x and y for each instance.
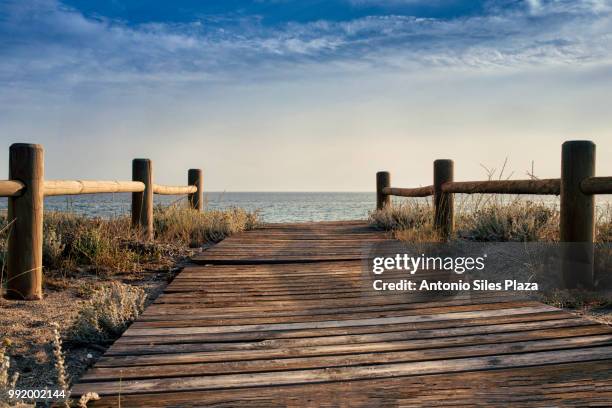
(72, 242)
(604, 224)
(489, 219)
(520, 221)
(9, 378)
(484, 221)
(107, 314)
(98, 275)
(178, 224)
(411, 221)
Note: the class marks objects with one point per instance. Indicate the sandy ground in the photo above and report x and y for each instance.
(26, 332)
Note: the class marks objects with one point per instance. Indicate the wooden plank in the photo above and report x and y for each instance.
(259, 352)
(568, 384)
(290, 331)
(103, 373)
(347, 373)
(328, 332)
(124, 349)
(215, 321)
(161, 310)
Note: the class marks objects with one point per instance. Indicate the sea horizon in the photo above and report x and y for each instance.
(273, 206)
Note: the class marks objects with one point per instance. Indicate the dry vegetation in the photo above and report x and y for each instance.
(98, 278)
(481, 220)
(488, 219)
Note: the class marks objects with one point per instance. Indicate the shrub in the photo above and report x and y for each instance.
(70, 240)
(182, 225)
(604, 224)
(410, 221)
(407, 215)
(53, 249)
(108, 313)
(111, 245)
(519, 222)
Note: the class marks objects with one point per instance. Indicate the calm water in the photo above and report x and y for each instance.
(274, 207)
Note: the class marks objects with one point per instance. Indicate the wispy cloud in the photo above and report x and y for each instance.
(46, 41)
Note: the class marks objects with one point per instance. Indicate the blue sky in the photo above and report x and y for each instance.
(343, 87)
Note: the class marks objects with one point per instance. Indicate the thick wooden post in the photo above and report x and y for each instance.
(577, 224)
(383, 179)
(443, 202)
(25, 212)
(142, 203)
(194, 178)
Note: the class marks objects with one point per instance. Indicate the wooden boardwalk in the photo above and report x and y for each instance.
(280, 316)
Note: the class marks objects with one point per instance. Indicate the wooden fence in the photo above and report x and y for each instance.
(577, 187)
(27, 189)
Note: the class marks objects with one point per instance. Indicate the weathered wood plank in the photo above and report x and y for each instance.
(133, 331)
(562, 384)
(347, 373)
(127, 349)
(286, 315)
(342, 331)
(104, 373)
(260, 353)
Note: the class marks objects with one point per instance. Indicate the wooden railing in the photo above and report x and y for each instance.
(577, 187)
(27, 189)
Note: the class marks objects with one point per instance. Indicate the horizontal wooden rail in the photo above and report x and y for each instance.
(27, 188)
(173, 190)
(576, 187)
(597, 185)
(11, 188)
(74, 187)
(537, 187)
(409, 192)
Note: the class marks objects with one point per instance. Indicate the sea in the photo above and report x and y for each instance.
(272, 206)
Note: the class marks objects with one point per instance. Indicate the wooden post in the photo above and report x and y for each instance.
(577, 224)
(142, 203)
(194, 178)
(443, 202)
(25, 212)
(383, 179)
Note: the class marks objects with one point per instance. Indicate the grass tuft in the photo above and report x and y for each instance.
(410, 221)
(604, 224)
(521, 221)
(484, 220)
(179, 224)
(72, 242)
(108, 313)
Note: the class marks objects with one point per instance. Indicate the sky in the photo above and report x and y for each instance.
(308, 95)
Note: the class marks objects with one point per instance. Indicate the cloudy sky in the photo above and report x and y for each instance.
(304, 95)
